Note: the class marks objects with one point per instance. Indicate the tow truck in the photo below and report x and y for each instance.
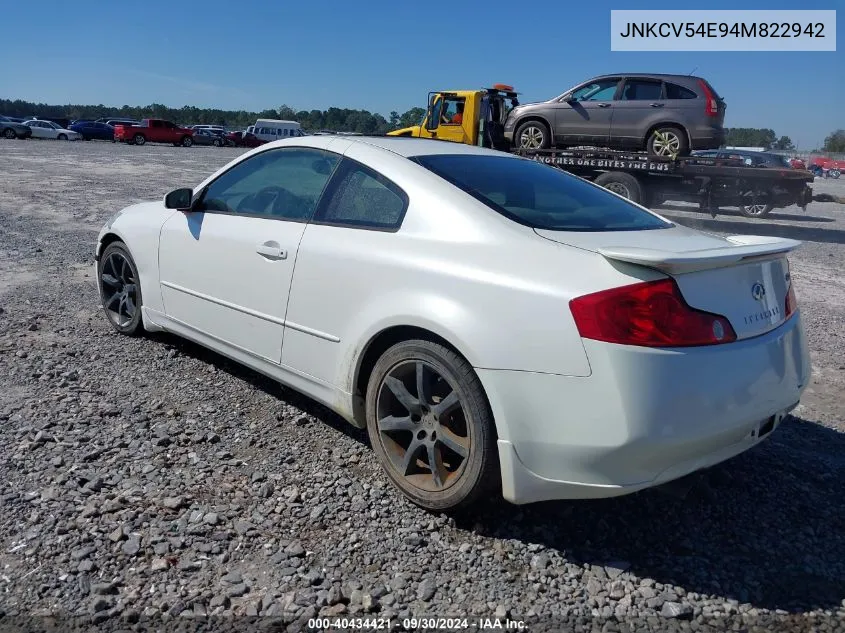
(477, 117)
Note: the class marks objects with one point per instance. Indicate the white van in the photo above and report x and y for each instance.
(275, 129)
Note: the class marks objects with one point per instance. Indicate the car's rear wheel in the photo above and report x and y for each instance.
(120, 289)
(216, 142)
(668, 141)
(187, 141)
(431, 426)
(532, 135)
(62, 137)
(139, 139)
(9, 133)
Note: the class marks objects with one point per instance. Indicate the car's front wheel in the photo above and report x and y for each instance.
(431, 426)
(62, 137)
(120, 289)
(532, 135)
(187, 141)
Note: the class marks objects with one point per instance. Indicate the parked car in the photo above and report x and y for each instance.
(576, 345)
(797, 163)
(749, 158)
(154, 131)
(768, 160)
(12, 129)
(245, 139)
(51, 130)
(205, 136)
(663, 114)
(94, 130)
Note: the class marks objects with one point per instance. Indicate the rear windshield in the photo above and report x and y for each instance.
(538, 195)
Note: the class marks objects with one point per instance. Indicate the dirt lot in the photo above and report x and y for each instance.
(149, 478)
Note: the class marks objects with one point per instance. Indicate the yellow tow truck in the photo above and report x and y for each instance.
(472, 117)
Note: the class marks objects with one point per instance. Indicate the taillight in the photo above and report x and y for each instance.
(791, 303)
(650, 314)
(711, 107)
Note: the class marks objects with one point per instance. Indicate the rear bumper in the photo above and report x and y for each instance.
(643, 417)
(705, 137)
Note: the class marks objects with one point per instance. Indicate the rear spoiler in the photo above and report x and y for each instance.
(744, 247)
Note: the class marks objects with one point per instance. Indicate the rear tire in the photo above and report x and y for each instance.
(668, 141)
(623, 184)
(139, 139)
(9, 133)
(216, 142)
(62, 137)
(532, 135)
(452, 428)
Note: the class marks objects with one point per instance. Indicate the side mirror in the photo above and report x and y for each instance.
(179, 199)
(570, 99)
(432, 120)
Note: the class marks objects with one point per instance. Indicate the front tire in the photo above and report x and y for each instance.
(187, 141)
(120, 289)
(62, 137)
(216, 142)
(532, 135)
(431, 426)
(9, 133)
(139, 139)
(668, 141)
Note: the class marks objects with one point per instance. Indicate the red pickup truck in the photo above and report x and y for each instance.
(154, 131)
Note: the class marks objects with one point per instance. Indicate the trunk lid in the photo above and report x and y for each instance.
(743, 278)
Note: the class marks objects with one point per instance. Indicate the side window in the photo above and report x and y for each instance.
(453, 111)
(360, 197)
(282, 183)
(597, 91)
(674, 91)
(642, 90)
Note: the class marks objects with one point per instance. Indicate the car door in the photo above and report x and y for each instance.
(585, 114)
(225, 268)
(639, 105)
(360, 214)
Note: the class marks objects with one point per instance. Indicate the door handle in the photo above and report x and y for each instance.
(656, 105)
(604, 105)
(271, 250)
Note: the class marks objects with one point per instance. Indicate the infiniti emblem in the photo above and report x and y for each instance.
(758, 291)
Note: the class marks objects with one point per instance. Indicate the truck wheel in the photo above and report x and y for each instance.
(532, 135)
(139, 139)
(187, 141)
(668, 141)
(623, 184)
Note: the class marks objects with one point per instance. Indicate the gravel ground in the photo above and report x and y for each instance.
(149, 480)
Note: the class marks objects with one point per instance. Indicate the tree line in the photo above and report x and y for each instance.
(336, 119)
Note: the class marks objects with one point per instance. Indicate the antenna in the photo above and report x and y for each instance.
(692, 71)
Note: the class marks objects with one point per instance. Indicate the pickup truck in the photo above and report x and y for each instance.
(154, 131)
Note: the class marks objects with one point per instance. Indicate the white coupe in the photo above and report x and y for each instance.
(497, 325)
(48, 129)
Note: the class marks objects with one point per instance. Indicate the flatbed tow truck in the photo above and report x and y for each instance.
(477, 117)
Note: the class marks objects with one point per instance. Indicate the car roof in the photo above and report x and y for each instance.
(410, 146)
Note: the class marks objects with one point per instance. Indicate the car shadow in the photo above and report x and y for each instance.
(260, 381)
(765, 527)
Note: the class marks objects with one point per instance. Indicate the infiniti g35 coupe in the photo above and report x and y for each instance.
(496, 325)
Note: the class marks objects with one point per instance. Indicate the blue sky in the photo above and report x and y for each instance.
(385, 55)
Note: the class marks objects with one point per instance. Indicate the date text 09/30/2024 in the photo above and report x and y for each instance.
(414, 624)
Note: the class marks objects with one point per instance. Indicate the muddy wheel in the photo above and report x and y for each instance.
(431, 426)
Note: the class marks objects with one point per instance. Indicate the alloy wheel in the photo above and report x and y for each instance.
(422, 426)
(119, 289)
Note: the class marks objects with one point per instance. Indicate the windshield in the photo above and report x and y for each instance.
(538, 195)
